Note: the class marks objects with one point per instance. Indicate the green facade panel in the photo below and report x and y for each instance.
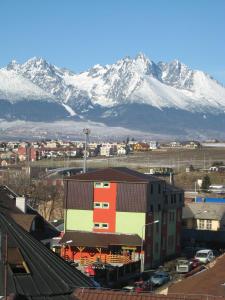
(130, 222)
(79, 220)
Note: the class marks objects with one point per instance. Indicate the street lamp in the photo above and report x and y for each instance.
(142, 244)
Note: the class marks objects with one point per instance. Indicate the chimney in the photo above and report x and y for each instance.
(21, 203)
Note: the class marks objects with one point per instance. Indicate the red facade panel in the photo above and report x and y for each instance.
(105, 215)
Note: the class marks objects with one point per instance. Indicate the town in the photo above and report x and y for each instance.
(132, 218)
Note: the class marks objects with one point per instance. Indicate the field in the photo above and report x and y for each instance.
(178, 159)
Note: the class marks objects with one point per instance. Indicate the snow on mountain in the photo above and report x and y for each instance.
(129, 80)
(14, 87)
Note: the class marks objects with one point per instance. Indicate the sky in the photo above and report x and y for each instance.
(77, 34)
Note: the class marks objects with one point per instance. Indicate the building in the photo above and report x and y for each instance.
(108, 149)
(27, 153)
(120, 200)
(30, 271)
(24, 215)
(141, 147)
(203, 225)
(204, 216)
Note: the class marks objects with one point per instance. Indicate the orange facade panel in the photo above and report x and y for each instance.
(104, 214)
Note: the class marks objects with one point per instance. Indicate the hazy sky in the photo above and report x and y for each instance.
(77, 34)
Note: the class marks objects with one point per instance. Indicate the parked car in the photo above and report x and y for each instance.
(204, 256)
(183, 266)
(159, 278)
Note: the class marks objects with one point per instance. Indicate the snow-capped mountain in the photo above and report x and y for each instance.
(114, 93)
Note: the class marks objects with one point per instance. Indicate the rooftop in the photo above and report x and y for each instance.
(209, 211)
(119, 174)
(209, 282)
(104, 240)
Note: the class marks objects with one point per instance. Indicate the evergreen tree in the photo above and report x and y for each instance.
(206, 183)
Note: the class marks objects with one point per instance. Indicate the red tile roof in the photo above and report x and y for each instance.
(93, 294)
(210, 281)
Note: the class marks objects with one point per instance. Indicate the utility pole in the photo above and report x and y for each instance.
(86, 131)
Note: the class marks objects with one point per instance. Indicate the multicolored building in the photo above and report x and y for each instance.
(120, 200)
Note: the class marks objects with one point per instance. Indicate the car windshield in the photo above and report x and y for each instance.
(159, 276)
(183, 262)
(201, 255)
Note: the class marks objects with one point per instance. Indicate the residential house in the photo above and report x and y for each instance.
(204, 216)
(153, 145)
(203, 224)
(120, 200)
(141, 147)
(27, 153)
(108, 149)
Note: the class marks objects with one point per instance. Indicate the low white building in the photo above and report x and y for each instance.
(108, 149)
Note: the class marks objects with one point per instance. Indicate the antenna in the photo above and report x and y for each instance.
(86, 131)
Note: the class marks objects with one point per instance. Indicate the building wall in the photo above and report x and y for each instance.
(171, 232)
(130, 222)
(78, 220)
(101, 215)
(215, 225)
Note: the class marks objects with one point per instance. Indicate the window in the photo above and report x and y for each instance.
(201, 224)
(102, 184)
(171, 241)
(164, 218)
(151, 208)
(105, 225)
(159, 188)
(166, 199)
(208, 224)
(163, 243)
(152, 189)
(156, 247)
(101, 225)
(101, 205)
(180, 197)
(97, 205)
(105, 205)
(98, 184)
(157, 228)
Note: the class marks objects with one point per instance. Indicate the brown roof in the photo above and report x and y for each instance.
(104, 240)
(210, 281)
(116, 175)
(93, 294)
(24, 220)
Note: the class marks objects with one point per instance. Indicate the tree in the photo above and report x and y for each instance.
(206, 183)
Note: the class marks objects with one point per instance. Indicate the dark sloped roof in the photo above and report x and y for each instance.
(50, 277)
(114, 174)
(23, 220)
(104, 240)
(209, 282)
